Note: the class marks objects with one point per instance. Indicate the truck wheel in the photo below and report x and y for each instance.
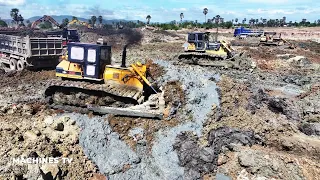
(13, 64)
(20, 65)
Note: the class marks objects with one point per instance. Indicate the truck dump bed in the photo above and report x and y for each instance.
(20, 52)
(28, 47)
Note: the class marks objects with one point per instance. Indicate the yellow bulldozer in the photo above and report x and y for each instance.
(270, 39)
(78, 22)
(90, 83)
(200, 51)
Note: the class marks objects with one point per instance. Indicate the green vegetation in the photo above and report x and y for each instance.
(3, 23)
(16, 17)
(93, 20)
(45, 25)
(65, 22)
(214, 22)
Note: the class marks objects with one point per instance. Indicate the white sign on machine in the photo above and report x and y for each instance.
(77, 53)
(91, 55)
(91, 70)
(92, 59)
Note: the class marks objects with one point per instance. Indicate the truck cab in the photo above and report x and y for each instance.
(71, 35)
(85, 61)
(68, 35)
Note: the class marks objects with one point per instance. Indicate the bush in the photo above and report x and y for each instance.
(3, 23)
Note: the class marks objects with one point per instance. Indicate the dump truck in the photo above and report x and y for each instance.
(89, 82)
(244, 32)
(200, 51)
(17, 52)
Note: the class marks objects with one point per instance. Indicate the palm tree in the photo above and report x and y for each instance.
(284, 19)
(217, 20)
(264, 21)
(148, 19)
(181, 16)
(20, 19)
(14, 14)
(100, 20)
(65, 22)
(93, 20)
(277, 22)
(28, 23)
(205, 12)
(244, 20)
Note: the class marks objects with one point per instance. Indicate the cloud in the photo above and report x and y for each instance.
(179, 9)
(12, 2)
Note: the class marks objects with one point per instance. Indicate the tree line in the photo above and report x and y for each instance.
(214, 22)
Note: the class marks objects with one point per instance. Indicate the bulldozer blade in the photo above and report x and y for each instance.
(111, 110)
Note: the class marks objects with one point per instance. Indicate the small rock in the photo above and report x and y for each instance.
(66, 153)
(50, 171)
(29, 135)
(58, 126)
(72, 122)
(220, 176)
(26, 107)
(222, 159)
(246, 159)
(48, 120)
(98, 177)
(310, 129)
(37, 132)
(66, 119)
(10, 111)
(20, 138)
(287, 145)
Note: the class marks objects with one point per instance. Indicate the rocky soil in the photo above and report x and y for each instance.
(218, 123)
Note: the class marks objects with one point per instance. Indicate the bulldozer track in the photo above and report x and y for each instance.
(80, 93)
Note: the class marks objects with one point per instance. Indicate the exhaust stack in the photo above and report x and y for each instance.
(124, 56)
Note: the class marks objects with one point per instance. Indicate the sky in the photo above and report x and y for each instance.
(167, 10)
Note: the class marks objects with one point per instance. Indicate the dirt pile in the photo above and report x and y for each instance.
(115, 38)
(47, 136)
(198, 160)
(158, 36)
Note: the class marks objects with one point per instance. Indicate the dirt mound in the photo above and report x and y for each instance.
(31, 33)
(113, 36)
(200, 161)
(275, 104)
(155, 70)
(311, 45)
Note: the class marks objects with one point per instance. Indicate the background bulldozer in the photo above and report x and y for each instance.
(199, 50)
(271, 39)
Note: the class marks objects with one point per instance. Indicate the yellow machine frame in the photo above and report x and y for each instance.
(76, 21)
(133, 76)
(223, 50)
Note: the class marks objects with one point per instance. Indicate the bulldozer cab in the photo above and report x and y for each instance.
(90, 59)
(199, 39)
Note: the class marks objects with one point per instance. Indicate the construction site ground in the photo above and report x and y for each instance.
(218, 123)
